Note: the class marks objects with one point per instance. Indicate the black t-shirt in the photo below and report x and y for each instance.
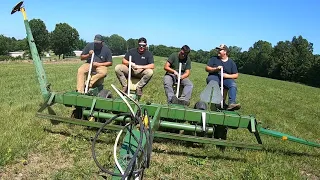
(229, 66)
(174, 62)
(100, 54)
(140, 59)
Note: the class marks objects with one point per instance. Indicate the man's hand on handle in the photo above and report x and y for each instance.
(95, 64)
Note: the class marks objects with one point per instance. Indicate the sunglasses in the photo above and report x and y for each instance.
(184, 53)
(142, 45)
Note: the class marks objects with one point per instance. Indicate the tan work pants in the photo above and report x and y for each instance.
(122, 72)
(101, 73)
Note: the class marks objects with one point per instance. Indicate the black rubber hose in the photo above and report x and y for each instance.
(129, 169)
(95, 140)
(133, 160)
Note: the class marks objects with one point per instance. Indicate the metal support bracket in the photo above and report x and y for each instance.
(203, 117)
(53, 94)
(93, 105)
(253, 124)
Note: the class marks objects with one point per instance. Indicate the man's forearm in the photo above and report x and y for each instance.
(149, 66)
(185, 75)
(125, 62)
(211, 69)
(84, 57)
(169, 70)
(105, 64)
(230, 76)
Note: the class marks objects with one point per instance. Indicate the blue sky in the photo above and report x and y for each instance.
(201, 24)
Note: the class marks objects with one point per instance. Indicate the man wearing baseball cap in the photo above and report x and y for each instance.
(142, 64)
(230, 73)
(172, 73)
(101, 60)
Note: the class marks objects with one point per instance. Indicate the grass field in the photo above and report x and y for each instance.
(32, 148)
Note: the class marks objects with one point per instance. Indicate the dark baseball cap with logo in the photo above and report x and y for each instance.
(142, 41)
(223, 47)
(98, 38)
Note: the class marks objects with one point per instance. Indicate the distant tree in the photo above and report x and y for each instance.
(202, 56)
(21, 44)
(117, 44)
(263, 57)
(312, 76)
(5, 45)
(302, 51)
(234, 52)
(257, 59)
(106, 40)
(162, 50)
(132, 43)
(283, 62)
(80, 44)
(64, 39)
(151, 47)
(40, 35)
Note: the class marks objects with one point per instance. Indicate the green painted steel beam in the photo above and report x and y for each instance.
(37, 62)
(206, 140)
(185, 127)
(287, 137)
(163, 124)
(170, 112)
(77, 121)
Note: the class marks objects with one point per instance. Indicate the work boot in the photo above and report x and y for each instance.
(139, 91)
(184, 102)
(174, 100)
(233, 107)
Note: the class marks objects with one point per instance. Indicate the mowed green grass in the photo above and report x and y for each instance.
(32, 148)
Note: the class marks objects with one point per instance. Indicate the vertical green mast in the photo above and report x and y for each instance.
(34, 52)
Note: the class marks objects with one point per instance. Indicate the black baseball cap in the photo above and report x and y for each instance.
(98, 38)
(142, 41)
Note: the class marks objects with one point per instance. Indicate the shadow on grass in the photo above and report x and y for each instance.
(267, 150)
(81, 136)
(290, 153)
(215, 157)
(110, 141)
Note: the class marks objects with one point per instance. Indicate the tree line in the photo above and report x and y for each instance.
(289, 60)
(63, 40)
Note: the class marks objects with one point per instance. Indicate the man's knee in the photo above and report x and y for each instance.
(187, 83)
(167, 80)
(148, 73)
(119, 68)
(213, 78)
(190, 84)
(103, 71)
(83, 69)
(231, 84)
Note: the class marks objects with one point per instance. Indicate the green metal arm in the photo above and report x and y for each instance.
(287, 137)
(44, 86)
